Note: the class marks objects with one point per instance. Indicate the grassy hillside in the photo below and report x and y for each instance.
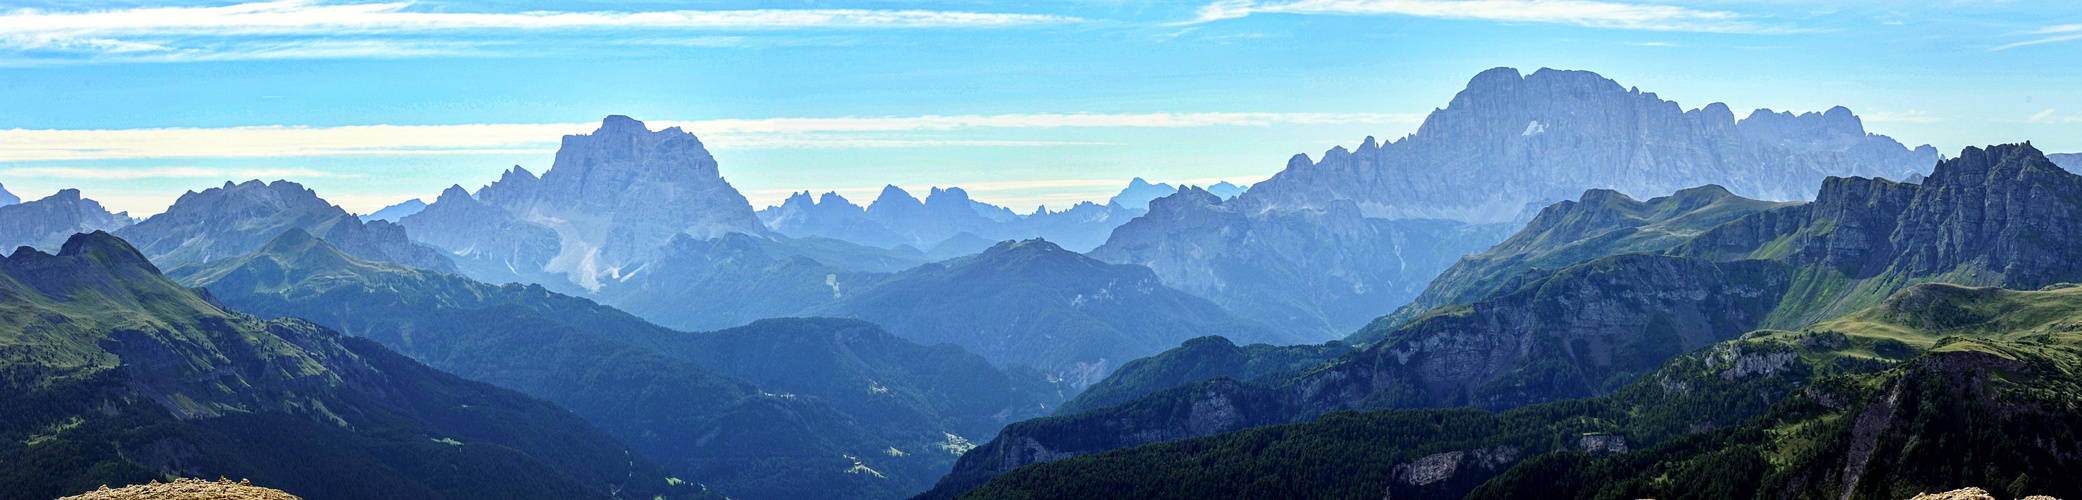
(116, 375)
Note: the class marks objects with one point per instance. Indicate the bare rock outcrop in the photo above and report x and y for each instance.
(187, 489)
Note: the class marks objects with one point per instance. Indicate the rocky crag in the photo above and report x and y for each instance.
(609, 201)
(1512, 141)
(46, 223)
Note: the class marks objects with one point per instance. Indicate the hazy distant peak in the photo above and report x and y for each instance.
(833, 198)
(7, 198)
(892, 194)
(398, 211)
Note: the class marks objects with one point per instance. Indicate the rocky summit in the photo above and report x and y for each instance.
(46, 223)
(1510, 141)
(237, 218)
(608, 202)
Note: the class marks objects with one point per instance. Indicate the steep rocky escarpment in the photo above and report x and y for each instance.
(48, 222)
(1509, 141)
(2001, 216)
(611, 199)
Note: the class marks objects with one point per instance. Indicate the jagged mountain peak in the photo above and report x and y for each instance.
(7, 198)
(226, 222)
(1976, 166)
(893, 196)
(455, 192)
(48, 222)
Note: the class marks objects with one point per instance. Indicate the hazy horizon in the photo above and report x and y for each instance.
(1023, 104)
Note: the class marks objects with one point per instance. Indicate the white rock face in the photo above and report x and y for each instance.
(612, 198)
(1509, 141)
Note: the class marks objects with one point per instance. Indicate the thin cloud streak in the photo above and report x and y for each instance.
(2060, 33)
(21, 145)
(1585, 13)
(240, 31)
(309, 17)
(126, 174)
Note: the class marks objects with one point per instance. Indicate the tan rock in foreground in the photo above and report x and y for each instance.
(187, 489)
(1970, 494)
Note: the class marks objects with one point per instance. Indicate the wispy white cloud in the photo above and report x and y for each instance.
(229, 30)
(21, 145)
(126, 174)
(1589, 13)
(2051, 115)
(2049, 34)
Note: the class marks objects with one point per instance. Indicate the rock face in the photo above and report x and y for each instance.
(48, 222)
(235, 219)
(1602, 222)
(138, 377)
(1510, 141)
(7, 198)
(1506, 145)
(394, 212)
(611, 199)
(1316, 273)
(1999, 216)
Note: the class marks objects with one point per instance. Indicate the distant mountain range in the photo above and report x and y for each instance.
(47, 223)
(1325, 246)
(1510, 142)
(116, 375)
(235, 219)
(1139, 193)
(1590, 328)
(395, 212)
(946, 224)
(1071, 316)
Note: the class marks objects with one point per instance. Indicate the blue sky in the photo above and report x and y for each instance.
(1024, 103)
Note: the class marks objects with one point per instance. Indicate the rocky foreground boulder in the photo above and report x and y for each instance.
(187, 489)
(1970, 494)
